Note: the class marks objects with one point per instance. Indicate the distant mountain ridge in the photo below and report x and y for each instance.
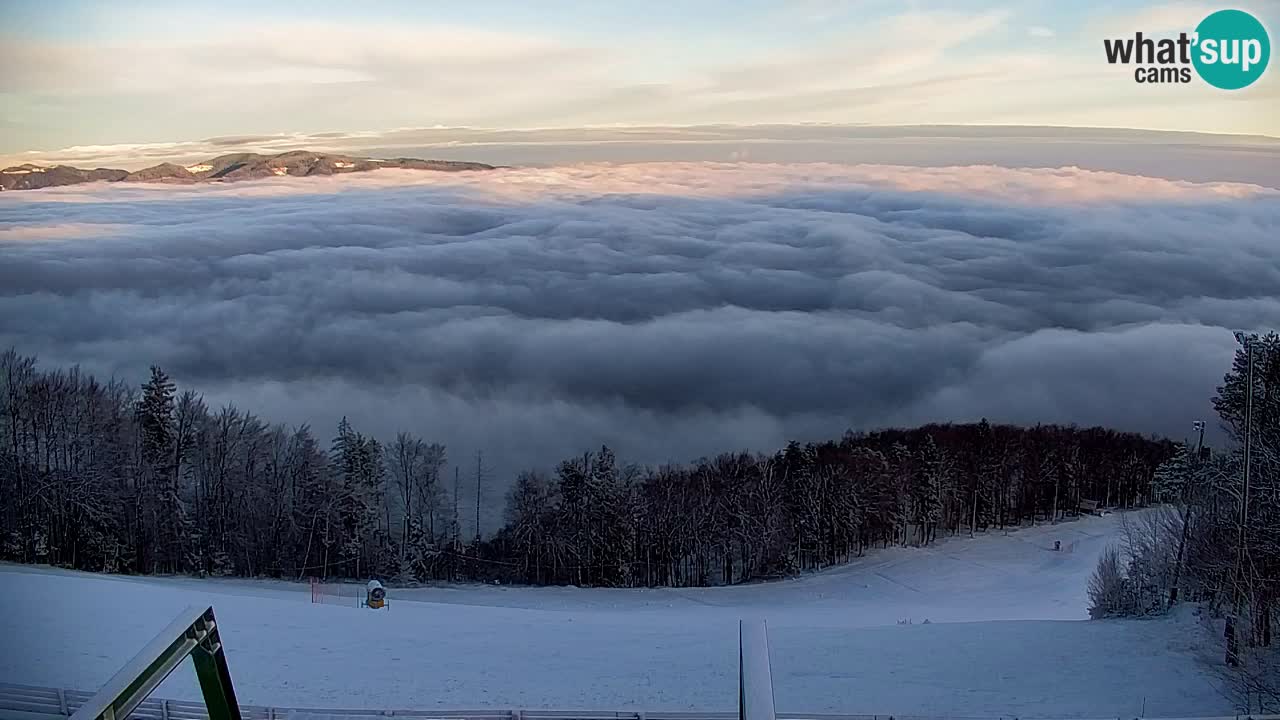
(224, 168)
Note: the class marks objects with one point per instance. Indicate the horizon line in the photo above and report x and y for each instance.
(337, 135)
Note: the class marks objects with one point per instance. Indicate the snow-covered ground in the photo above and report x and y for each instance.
(1006, 637)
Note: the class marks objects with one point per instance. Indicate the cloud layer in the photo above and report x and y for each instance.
(668, 309)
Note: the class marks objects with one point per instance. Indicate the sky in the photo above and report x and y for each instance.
(91, 74)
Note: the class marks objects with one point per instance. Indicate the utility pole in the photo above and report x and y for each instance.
(479, 478)
(1248, 453)
(1186, 512)
(1248, 446)
(1233, 658)
(973, 522)
(456, 540)
(457, 482)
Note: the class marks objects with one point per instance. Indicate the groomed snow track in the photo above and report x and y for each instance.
(28, 702)
(1006, 638)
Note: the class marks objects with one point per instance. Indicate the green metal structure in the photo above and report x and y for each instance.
(194, 633)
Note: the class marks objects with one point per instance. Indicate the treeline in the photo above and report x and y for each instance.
(739, 517)
(1217, 541)
(108, 476)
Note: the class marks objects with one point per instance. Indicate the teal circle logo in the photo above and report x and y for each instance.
(1232, 49)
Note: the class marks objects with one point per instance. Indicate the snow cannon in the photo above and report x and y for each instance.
(375, 595)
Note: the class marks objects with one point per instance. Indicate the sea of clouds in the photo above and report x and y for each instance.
(667, 309)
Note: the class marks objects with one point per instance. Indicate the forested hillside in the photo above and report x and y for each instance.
(111, 476)
(1208, 546)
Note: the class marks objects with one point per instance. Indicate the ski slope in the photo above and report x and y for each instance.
(1006, 637)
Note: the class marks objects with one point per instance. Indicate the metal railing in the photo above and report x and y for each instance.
(26, 702)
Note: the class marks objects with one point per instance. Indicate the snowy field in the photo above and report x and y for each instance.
(1005, 637)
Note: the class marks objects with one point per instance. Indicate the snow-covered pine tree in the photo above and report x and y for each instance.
(928, 480)
(157, 498)
(357, 461)
(1172, 476)
(608, 498)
